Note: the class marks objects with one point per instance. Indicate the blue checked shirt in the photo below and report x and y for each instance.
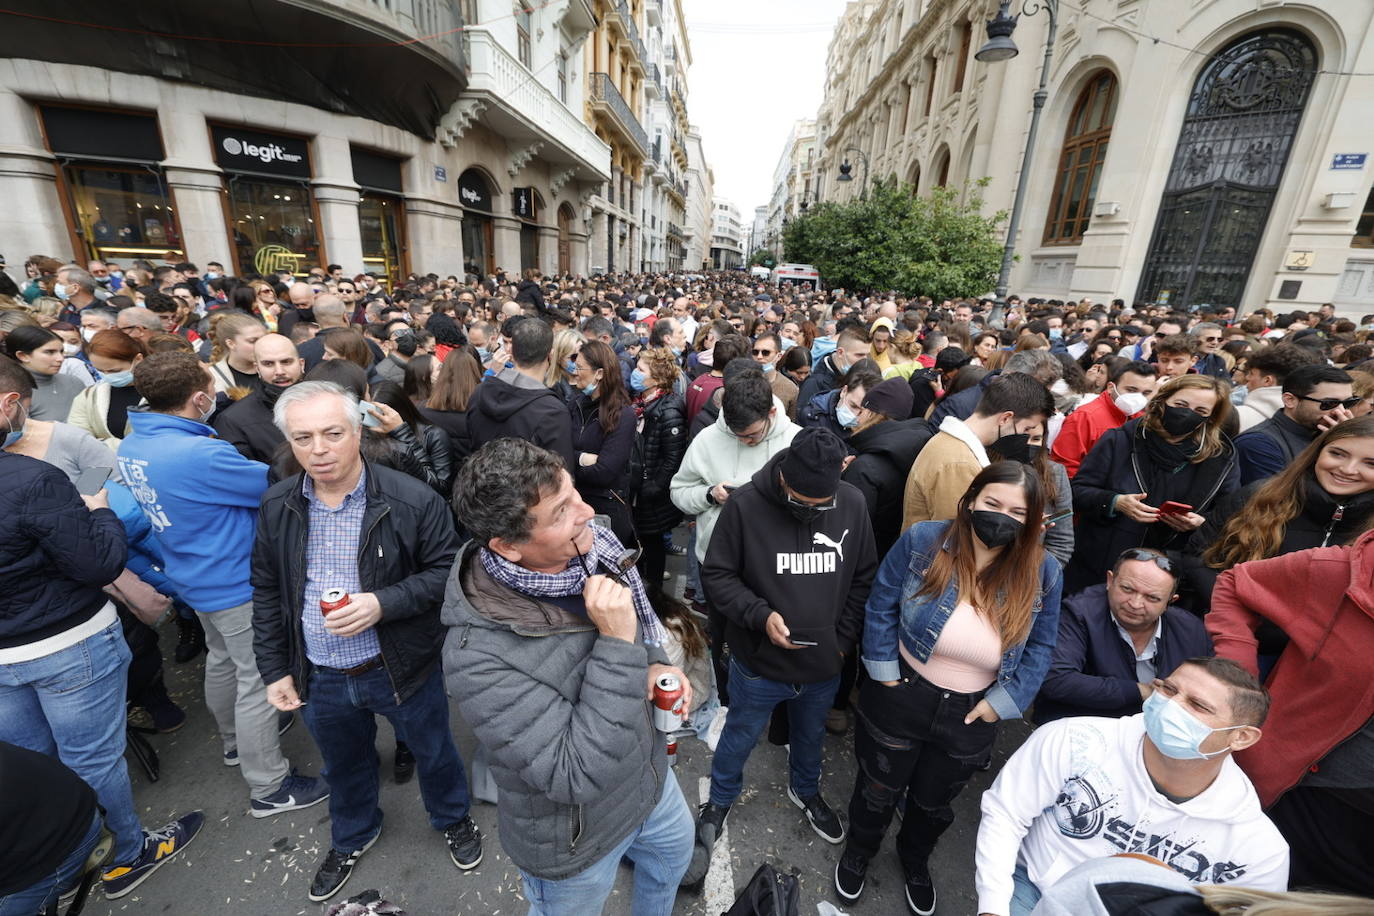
(331, 561)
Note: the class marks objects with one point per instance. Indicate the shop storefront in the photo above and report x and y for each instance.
(381, 215)
(525, 204)
(479, 255)
(117, 202)
(267, 202)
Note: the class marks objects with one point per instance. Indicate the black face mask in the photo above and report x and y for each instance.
(1015, 447)
(1181, 421)
(804, 514)
(994, 529)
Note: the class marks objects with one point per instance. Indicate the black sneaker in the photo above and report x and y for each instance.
(849, 876)
(710, 823)
(159, 847)
(823, 820)
(675, 550)
(464, 844)
(920, 892)
(403, 765)
(334, 871)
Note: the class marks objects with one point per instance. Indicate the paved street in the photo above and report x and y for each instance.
(241, 865)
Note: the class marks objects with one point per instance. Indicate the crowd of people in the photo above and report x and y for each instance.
(905, 522)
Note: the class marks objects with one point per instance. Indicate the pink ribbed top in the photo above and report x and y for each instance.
(967, 654)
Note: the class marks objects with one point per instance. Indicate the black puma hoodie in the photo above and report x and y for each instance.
(816, 574)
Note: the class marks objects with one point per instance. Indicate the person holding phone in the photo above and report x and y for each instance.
(958, 633)
(1175, 452)
(790, 564)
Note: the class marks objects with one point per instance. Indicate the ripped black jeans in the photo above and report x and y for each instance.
(911, 740)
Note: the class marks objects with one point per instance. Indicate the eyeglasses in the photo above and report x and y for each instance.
(1210, 339)
(1326, 404)
(1146, 554)
(763, 352)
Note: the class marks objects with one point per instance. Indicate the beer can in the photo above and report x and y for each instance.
(668, 710)
(332, 599)
(672, 750)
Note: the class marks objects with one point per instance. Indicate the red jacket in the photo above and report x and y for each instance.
(1082, 429)
(1322, 688)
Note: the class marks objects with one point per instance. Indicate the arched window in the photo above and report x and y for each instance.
(1080, 162)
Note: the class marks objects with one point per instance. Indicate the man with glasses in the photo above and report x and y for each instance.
(766, 352)
(1115, 639)
(790, 566)
(1315, 398)
(1209, 361)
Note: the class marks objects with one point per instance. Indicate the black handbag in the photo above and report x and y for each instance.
(768, 893)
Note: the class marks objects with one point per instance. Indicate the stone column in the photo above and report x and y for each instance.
(336, 199)
(31, 221)
(578, 259)
(548, 250)
(434, 235)
(199, 192)
(506, 243)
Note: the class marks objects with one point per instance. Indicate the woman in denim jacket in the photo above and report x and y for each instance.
(958, 634)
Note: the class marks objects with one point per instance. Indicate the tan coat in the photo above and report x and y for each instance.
(785, 390)
(942, 472)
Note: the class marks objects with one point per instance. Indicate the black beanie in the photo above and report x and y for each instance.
(812, 463)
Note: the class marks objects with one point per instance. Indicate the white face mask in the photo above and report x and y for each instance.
(1059, 388)
(88, 333)
(70, 349)
(1130, 402)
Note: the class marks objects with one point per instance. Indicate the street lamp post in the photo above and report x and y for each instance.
(846, 168)
(1000, 47)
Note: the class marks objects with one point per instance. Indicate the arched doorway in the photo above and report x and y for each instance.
(565, 221)
(1242, 118)
(941, 167)
(474, 193)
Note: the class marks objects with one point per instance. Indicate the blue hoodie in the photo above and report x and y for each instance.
(201, 497)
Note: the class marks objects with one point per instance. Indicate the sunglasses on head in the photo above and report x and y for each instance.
(1326, 404)
(1152, 556)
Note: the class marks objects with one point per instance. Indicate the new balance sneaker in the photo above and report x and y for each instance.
(231, 757)
(920, 892)
(849, 876)
(294, 793)
(334, 871)
(464, 844)
(710, 823)
(159, 847)
(823, 820)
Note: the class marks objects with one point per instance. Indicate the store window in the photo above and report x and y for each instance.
(1364, 229)
(118, 204)
(525, 206)
(478, 241)
(381, 214)
(268, 203)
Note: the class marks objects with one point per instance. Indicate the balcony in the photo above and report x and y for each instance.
(653, 12)
(401, 64)
(525, 111)
(653, 82)
(675, 231)
(627, 24)
(606, 98)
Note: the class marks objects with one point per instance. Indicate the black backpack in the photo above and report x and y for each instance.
(768, 894)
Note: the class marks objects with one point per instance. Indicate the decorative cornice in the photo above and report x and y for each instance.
(459, 118)
(520, 158)
(561, 179)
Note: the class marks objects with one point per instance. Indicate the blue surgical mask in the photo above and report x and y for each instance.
(677, 351)
(639, 380)
(60, 291)
(590, 390)
(846, 417)
(14, 435)
(1176, 732)
(118, 379)
(767, 367)
(787, 344)
(1056, 333)
(571, 366)
(483, 354)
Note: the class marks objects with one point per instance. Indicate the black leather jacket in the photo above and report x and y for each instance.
(405, 550)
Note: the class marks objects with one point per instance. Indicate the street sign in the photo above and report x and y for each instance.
(1298, 259)
(1352, 162)
(440, 173)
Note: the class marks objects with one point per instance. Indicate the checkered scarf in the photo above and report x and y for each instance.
(571, 581)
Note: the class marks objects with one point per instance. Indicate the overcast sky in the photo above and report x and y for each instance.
(757, 66)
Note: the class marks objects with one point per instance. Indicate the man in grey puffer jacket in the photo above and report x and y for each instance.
(551, 663)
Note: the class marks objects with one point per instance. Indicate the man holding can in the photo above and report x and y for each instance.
(553, 653)
(348, 575)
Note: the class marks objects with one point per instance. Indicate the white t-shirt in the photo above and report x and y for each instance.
(1078, 790)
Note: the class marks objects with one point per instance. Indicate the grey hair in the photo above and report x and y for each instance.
(1197, 329)
(79, 276)
(1042, 364)
(304, 391)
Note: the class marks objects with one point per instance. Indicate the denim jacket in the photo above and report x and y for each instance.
(894, 615)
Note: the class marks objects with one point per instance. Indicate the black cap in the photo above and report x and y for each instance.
(891, 397)
(951, 358)
(812, 463)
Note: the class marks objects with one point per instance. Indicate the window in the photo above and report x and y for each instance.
(563, 77)
(523, 19)
(930, 84)
(1364, 229)
(272, 219)
(122, 212)
(1080, 162)
(468, 9)
(964, 36)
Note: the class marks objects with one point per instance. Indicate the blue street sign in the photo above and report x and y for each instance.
(1348, 161)
(440, 173)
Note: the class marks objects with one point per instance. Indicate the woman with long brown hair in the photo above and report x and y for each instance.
(103, 409)
(658, 449)
(603, 435)
(447, 405)
(958, 632)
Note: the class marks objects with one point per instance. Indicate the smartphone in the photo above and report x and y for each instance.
(1055, 519)
(365, 409)
(1173, 508)
(803, 642)
(92, 479)
(729, 487)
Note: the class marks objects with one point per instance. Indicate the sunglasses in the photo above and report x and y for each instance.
(821, 507)
(1144, 553)
(616, 570)
(1210, 339)
(763, 352)
(1326, 404)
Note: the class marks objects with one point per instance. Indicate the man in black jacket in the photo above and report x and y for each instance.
(1315, 398)
(790, 565)
(247, 423)
(516, 403)
(1114, 639)
(387, 541)
(850, 347)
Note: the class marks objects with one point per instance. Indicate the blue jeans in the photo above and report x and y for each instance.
(36, 897)
(660, 849)
(70, 705)
(752, 699)
(341, 713)
(1024, 894)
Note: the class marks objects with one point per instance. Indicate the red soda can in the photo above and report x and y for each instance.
(672, 751)
(332, 599)
(668, 703)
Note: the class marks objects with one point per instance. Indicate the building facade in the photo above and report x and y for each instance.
(664, 244)
(727, 236)
(1216, 157)
(479, 159)
(701, 186)
(793, 183)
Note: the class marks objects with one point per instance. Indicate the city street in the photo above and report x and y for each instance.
(241, 865)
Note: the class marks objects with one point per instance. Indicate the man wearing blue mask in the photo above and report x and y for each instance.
(1160, 784)
(767, 351)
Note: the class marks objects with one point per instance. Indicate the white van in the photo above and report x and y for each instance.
(802, 276)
